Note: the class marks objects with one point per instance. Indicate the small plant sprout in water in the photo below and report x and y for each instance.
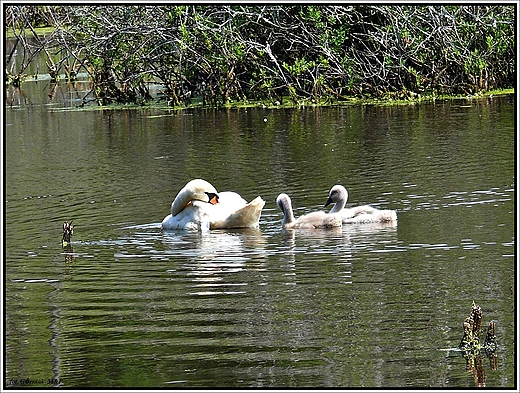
(473, 351)
(68, 231)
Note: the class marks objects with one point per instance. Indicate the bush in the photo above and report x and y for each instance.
(267, 52)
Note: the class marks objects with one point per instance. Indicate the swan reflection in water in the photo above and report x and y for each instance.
(206, 259)
(344, 235)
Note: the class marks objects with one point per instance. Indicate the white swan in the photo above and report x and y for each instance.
(309, 221)
(199, 206)
(358, 214)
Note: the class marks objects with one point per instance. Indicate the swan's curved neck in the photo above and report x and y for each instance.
(182, 199)
(285, 206)
(338, 206)
(340, 196)
(195, 190)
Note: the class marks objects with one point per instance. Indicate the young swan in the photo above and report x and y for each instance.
(309, 221)
(358, 214)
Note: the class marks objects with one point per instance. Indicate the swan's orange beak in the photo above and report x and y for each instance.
(213, 198)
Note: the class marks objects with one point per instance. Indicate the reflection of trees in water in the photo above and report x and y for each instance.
(58, 92)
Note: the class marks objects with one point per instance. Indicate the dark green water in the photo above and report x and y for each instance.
(367, 306)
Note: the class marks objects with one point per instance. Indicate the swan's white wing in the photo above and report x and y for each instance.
(237, 215)
(230, 199)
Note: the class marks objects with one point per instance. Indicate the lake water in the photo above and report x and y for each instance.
(131, 305)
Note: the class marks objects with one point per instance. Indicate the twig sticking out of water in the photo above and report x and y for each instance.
(68, 231)
(472, 349)
(490, 345)
(471, 327)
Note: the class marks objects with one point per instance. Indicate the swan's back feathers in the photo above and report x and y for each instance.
(375, 216)
(317, 220)
(230, 198)
(247, 216)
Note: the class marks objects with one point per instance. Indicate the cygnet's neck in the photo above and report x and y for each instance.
(338, 194)
(284, 203)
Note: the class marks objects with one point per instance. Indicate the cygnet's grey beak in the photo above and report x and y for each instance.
(329, 201)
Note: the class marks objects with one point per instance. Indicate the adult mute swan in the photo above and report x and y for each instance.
(358, 214)
(199, 206)
(309, 221)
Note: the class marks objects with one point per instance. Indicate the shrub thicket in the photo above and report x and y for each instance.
(267, 52)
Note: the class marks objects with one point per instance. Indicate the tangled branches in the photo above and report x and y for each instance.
(267, 52)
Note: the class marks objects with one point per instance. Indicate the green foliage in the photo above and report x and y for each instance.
(308, 52)
(299, 67)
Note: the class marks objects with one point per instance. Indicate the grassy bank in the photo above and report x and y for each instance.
(287, 103)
